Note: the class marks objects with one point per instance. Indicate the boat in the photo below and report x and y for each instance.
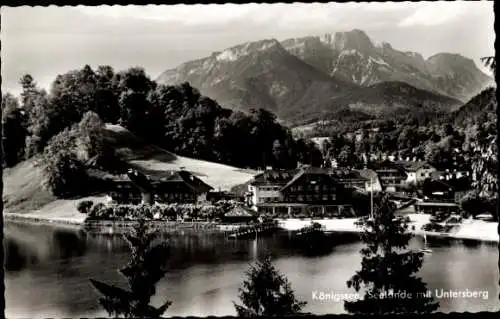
(425, 250)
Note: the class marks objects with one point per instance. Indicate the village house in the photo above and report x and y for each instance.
(180, 187)
(167, 187)
(417, 171)
(439, 196)
(391, 175)
(298, 192)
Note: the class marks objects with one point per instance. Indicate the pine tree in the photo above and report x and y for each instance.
(145, 268)
(388, 268)
(267, 293)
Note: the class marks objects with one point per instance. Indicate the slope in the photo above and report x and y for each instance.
(383, 99)
(24, 194)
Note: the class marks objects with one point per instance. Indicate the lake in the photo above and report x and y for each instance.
(48, 270)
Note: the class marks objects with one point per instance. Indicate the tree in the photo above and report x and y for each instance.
(267, 293)
(14, 130)
(134, 87)
(145, 268)
(29, 91)
(388, 268)
(65, 174)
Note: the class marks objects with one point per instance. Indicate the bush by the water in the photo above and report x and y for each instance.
(171, 212)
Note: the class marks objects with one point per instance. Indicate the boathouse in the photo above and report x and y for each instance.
(240, 214)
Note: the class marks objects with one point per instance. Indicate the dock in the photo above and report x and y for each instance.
(253, 230)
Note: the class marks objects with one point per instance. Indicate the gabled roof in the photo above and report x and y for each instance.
(240, 211)
(184, 177)
(274, 177)
(309, 171)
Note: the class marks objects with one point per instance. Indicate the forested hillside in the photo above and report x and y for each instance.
(63, 129)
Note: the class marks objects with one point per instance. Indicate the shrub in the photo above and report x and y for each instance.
(84, 207)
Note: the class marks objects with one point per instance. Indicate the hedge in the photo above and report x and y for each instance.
(100, 211)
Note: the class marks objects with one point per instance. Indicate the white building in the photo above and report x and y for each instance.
(417, 171)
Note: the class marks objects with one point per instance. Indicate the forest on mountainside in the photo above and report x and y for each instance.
(64, 127)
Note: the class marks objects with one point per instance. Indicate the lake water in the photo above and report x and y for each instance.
(47, 271)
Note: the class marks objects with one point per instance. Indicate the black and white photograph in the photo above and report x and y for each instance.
(249, 159)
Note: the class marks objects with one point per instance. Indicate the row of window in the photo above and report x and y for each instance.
(315, 187)
(310, 198)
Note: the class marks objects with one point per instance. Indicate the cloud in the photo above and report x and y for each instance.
(280, 14)
(437, 13)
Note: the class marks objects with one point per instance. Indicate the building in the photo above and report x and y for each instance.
(180, 187)
(391, 175)
(439, 196)
(240, 214)
(165, 187)
(417, 171)
(300, 192)
(372, 182)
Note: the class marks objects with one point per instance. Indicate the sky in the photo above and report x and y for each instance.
(47, 41)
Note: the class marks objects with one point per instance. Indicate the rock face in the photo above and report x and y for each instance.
(299, 77)
(352, 56)
(257, 74)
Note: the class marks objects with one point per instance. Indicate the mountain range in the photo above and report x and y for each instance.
(312, 77)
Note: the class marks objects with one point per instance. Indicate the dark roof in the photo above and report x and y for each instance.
(240, 211)
(163, 178)
(310, 171)
(412, 166)
(274, 177)
(184, 177)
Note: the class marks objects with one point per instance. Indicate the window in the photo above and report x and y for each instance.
(300, 198)
(325, 197)
(317, 187)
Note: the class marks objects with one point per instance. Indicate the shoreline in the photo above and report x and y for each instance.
(475, 230)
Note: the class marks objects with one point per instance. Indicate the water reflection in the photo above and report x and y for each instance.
(47, 271)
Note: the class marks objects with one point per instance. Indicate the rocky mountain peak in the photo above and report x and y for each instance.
(236, 52)
(352, 40)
